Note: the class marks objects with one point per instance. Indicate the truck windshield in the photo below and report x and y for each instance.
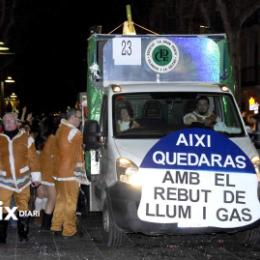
(152, 115)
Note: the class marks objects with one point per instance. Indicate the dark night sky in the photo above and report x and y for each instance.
(49, 38)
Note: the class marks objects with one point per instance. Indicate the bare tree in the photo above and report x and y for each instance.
(2, 14)
(217, 15)
(234, 14)
(6, 17)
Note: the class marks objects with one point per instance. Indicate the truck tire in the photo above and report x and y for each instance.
(250, 237)
(83, 201)
(113, 237)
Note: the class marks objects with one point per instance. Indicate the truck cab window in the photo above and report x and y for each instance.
(152, 115)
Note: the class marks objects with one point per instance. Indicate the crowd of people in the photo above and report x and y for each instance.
(45, 154)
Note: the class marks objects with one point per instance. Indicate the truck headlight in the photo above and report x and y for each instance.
(256, 162)
(128, 172)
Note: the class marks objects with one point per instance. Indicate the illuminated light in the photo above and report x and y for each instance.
(224, 88)
(116, 88)
(123, 162)
(128, 172)
(256, 162)
(13, 96)
(135, 179)
(3, 47)
(131, 170)
(253, 105)
(9, 79)
(251, 101)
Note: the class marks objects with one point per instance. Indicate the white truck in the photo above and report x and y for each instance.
(149, 171)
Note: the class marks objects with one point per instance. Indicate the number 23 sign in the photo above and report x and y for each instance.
(127, 51)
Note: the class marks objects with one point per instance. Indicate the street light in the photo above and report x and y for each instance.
(9, 79)
(4, 60)
(5, 52)
(13, 101)
(3, 47)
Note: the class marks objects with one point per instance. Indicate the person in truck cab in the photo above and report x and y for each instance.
(201, 116)
(126, 120)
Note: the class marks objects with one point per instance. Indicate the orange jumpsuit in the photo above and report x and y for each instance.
(47, 161)
(19, 166)
(69, 170)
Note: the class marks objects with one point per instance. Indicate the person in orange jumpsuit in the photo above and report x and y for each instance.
(69, 170)
(45, 142)
(19, 168)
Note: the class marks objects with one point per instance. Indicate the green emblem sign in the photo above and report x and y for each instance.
(161, 55)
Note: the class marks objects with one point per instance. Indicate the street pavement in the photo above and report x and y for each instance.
(47, 246)
(89, 245)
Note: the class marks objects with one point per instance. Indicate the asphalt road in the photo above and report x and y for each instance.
(89, 245)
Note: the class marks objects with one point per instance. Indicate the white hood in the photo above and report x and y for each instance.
(134, 149)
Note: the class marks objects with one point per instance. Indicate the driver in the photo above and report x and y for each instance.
(201, 115)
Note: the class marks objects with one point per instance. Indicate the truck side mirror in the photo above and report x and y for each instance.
(91, 135)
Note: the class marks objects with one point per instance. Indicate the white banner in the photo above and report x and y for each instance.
(198, 198)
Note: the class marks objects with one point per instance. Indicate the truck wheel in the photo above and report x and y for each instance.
(83, 201)
(250, 237)
(113, 237)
